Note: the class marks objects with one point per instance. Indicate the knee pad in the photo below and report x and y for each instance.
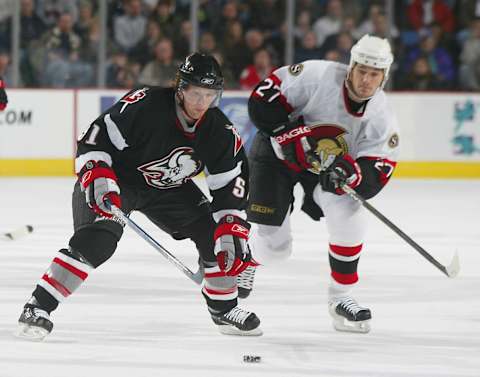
(94, 245)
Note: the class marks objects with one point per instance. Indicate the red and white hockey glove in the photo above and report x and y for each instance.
(344, 170)
(294, 138)
(3, 96)
(231, 247)
(99, 182)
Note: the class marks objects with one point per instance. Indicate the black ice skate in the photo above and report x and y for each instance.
(349, 316)
(238, 322)
(245, 281)
(34, 323)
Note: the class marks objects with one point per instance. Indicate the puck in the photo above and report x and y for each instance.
(29, 228)
(251, 358)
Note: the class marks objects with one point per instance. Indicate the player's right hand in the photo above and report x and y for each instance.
(3, 96)
(99, 182)
(295, 140)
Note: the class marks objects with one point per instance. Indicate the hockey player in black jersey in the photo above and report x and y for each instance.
(141, 154)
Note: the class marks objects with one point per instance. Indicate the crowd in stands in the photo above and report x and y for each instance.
(436, 42)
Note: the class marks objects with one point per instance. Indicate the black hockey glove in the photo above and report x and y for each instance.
(295, 140)
(231, 247)
(344, 170)
(3, 96)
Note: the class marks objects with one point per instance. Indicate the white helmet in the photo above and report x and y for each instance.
(373, 52)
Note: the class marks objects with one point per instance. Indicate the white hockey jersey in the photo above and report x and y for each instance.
(315, 91)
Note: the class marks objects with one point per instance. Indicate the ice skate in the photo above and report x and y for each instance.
(238, 322)
(34, 323)
(245, 281)
(349, 316)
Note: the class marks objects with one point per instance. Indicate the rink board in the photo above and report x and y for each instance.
(439, 133)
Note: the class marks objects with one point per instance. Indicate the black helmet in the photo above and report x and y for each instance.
(200, 70)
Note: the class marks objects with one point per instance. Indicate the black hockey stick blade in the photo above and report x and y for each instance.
(196, 277)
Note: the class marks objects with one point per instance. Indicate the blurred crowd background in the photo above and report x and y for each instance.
(436, 42)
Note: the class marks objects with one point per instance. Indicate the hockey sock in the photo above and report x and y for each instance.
(343, 263)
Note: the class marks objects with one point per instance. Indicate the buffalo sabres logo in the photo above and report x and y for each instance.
(238, 140)
(171, 171)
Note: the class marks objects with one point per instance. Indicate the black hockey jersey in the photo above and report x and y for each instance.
(146, 140)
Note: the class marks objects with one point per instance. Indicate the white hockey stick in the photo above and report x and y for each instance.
(18, 233)
(451, 270)
(196, 277)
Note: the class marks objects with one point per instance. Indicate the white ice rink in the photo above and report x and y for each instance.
(138, 316)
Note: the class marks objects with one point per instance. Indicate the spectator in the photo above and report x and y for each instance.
(229, 79)
(423, 13)
(344, 45)
(421, 77)
(303, 26)
(465, 12)
(208, 43)
(182, 40)
(129, 28)
(31, 26)
(330, 23)
(234, 47)
(308, 49)
(116, 70)
(64, 66)
(85, 20)
(348, 26)
(470, 59)
(254, 40)
(160, 71)
(266, 15)
(51, 10)
(439, 60)
(229, 15)
(256, 72)
(164, 16)
(143, 51)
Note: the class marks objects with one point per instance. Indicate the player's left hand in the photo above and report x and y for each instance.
(231, 247)
(344, 170)
(3, 96)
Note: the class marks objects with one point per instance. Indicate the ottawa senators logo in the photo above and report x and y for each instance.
(330, 143)
(173, 170)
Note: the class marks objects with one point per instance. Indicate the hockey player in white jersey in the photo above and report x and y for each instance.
(338, 115)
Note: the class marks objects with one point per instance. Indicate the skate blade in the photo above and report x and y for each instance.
(232, 330)
(33, 333)
(361, 327)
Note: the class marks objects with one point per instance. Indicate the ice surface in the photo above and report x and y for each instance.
(137, 315)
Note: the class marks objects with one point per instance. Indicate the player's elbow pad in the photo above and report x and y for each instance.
(373, 178)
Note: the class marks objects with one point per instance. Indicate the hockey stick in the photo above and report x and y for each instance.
(196, 277)
(451, 270)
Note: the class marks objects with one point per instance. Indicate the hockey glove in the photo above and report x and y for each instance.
(344, 170)
(99, 182)
(231, 247)
(3, 96)
(295, 140)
